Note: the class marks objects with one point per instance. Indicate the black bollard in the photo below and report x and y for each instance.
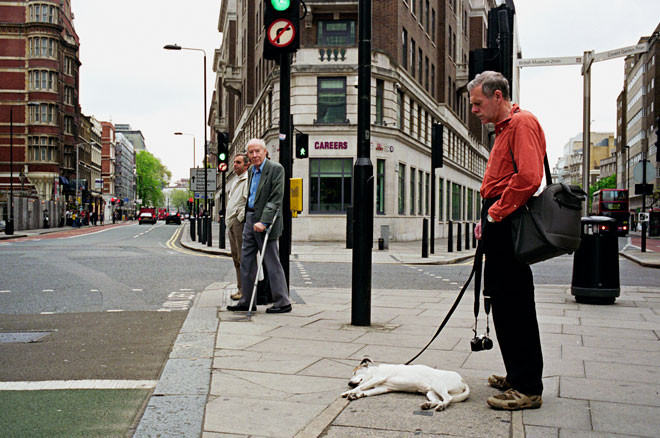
(425, 238)
(458, 236)
(192, 228)
(450, 236)
(209, 232)
(474, 236)
(467, 236)
(349, 227)
(198, 221)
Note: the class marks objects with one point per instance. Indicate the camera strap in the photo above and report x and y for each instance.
(476, 269)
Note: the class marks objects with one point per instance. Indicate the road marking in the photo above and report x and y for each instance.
(136, 290)
(93, 290)
(177, 301)
(47, 290)
(77, 384)
(5, 291)
(47, 313)
(114, 310)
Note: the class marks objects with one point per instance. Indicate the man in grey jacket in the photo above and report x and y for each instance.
(265, 192)
(236, 215)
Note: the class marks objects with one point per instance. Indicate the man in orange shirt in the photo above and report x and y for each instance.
(513, 174)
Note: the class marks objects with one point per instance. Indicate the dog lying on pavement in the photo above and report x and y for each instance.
(441, 387)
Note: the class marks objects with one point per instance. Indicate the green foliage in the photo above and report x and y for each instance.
(152, 176)
(179, 199)
(603, 183)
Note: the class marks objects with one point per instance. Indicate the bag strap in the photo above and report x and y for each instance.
(546, 165)
(476, 268)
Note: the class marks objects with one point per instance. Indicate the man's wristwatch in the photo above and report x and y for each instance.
(490, 218)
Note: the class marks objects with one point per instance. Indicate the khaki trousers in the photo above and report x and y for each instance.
(235, 243)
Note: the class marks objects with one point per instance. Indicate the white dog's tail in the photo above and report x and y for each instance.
(461, 395)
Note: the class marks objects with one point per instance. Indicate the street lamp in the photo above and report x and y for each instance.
(193, 136)
(9, 226)
(208, 227)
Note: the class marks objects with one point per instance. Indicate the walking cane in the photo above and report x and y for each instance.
(260, 260)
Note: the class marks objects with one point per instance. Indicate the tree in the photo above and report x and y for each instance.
(608, 182)
(152, 176)
(179, 199)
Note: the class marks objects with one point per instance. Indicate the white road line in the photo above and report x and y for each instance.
(47, 313)
(93, 290)
(5, 291)
(186, 290)
(77, 384)
(48, 290)
(114, 310)
(136, 290)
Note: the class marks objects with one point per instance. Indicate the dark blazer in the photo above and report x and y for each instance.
(270, 194)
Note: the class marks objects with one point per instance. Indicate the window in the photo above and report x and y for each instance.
(441, 190)
(427, 183)
(400, 101)
(420, 192)
(402, 189)
(42, 148)
(470, 204)
(43, 47)
(68, 66)
(330, 184)
(43, 80)
(433, 80)
(404, 48)
(412, 191)
(426, 15)
(456, 202)
(331, 107)
(419, 122)
(380, 88)
(68, 95)
(450, 35)
(426, 73)
(433, 25)
(336, 33)
(380, 186)
(411, 121)
(43, 13)
(412, 57)
(43, 113)
(420, 63)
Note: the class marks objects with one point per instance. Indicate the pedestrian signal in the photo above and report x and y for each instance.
(223, 151)
(302, 145)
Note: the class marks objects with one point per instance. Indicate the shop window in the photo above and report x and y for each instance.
(456, 202)
(402, 189)
(420, 192)
(380, 90)
(330, 184)
(380, 186)
(336, 33)
(412, 190)
(331, 104)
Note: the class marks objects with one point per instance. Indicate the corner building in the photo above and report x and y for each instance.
(39, 83)
(419, 71)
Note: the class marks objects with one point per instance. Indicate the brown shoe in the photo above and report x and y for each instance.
(236, 296)
(499, 382)
(513, 400)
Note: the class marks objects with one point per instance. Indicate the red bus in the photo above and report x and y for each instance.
(613, 203)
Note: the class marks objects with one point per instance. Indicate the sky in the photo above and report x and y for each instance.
(127, 77)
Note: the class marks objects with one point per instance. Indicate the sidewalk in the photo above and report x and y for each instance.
(282, 375)
(40, 231)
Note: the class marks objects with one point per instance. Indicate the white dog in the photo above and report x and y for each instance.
(441, 387)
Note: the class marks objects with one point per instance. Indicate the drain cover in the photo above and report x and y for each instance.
(22, 337)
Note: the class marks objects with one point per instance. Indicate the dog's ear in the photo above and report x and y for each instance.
(366, 362)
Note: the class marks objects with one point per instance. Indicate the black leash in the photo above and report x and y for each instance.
(476, 272)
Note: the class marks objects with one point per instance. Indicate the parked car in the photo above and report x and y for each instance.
(147, 218)
(173, 218)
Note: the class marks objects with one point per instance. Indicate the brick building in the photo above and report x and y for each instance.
(420, 52)
(39, 84)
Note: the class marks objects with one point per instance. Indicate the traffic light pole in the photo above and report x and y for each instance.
(285, 159)
(363, 187)
(223, 212)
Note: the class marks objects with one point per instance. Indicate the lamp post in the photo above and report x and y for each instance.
(206, 152)
(193, 136)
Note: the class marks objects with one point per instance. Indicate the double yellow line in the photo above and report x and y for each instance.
(171, 244)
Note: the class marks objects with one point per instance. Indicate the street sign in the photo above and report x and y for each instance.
(638, 172)
(281, 32)
(197, 179)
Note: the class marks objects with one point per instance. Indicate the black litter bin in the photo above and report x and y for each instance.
(596, 262)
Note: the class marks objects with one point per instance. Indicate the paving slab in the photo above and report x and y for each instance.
(630, 393)
(541, 432)
(561, 413)
(172, 416)
(626, 419)
(262, 361)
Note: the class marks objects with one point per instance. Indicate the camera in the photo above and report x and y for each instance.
(480, 343)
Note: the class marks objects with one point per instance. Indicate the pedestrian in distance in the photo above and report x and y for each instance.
(509, 284)
(236, 216)
(265, 192)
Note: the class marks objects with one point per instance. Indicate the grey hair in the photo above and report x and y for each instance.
(490, 81)
(257, 142)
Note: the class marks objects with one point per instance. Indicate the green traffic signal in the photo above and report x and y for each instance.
(280, 5)
(222, 156)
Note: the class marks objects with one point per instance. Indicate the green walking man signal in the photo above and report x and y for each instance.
(302, 145)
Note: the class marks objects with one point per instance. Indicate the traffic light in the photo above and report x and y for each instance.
(436, 145)
(223, 151)
(282, 25)
(499, 54)
(302, 145)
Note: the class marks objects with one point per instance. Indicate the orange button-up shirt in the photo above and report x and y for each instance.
(522, 134)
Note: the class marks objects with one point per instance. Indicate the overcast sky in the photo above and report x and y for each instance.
(127, 77)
